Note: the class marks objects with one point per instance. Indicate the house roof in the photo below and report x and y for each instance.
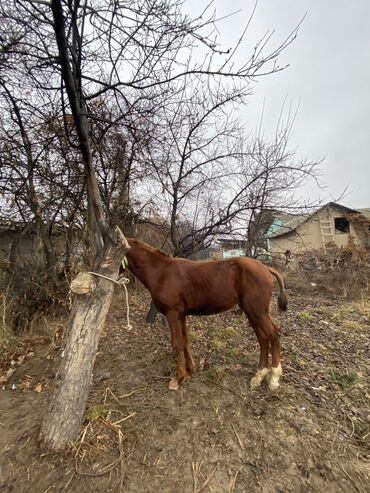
(365, 212)
(291, 223)
(235, 241)
(7, 225)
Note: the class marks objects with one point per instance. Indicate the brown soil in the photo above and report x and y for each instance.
(215, 434)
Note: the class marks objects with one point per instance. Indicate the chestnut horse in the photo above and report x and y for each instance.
(181, 287)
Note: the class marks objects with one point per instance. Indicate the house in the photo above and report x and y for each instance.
(231, 247)
(332, 225)
(11, 231)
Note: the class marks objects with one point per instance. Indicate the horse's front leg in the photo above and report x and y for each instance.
(190, 365)
(175, 323)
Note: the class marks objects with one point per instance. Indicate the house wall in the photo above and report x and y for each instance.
(7, 238)
(308, 235)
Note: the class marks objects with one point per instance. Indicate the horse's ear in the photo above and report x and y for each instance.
(121, 238)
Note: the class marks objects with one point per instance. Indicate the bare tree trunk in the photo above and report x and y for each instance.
(72, 382)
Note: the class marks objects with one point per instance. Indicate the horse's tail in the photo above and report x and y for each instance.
(282, 298)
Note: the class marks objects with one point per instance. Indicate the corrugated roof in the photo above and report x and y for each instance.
(289, 223)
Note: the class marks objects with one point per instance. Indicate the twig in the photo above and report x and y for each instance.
(25, 443)
(104, 471)
(114, 397)
(132, 392)
(237, 436)
(123, 419)
(195, 469)
(205, 484)
(69, 481)
(120, 448)
(48, 488)
(110, 425)
(233, 482)
(350, 477)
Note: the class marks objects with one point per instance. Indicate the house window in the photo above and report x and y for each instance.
(341, 225)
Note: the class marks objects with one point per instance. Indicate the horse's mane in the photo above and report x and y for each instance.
(145, 246)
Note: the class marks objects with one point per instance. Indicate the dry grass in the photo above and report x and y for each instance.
(215, 434)
(28, 297)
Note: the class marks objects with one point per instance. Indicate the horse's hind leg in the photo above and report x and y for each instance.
(175, 324)
(190, 365)
(276, 370)
(267, 333)
(264, 354)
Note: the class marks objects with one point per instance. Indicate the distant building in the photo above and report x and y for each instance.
(332, 225)
(231, 247)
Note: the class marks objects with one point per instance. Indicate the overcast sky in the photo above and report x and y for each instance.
(328, 78)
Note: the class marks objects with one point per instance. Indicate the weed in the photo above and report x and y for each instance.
(236, 352)
(352, 325)
(217, 345)
(305, 316)
(216, 373)
(225, 332)
(193, 337)
(344, 380)
(95, 411)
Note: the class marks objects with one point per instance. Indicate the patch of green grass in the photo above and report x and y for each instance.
(344, 380)
(193, 337)
(236, 352)
(95, 411)
(225, 332)
(305, 316)
(216, 373)
(217, 345)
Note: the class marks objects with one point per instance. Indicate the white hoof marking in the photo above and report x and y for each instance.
(259, 377)
(274, 377)
(174, 384)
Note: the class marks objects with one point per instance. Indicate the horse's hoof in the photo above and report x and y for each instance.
(273, 381)
(255, 382)
(259, 377)
(273, 385)
(174, 384)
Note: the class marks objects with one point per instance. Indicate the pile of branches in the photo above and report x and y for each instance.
(344, 271)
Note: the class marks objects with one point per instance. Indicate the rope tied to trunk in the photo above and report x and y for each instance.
(121, 281)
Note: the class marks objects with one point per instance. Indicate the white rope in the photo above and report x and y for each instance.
(121, 281)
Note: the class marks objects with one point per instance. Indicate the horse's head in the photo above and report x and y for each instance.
(121, 239)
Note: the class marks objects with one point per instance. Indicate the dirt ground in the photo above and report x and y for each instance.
(215, 434)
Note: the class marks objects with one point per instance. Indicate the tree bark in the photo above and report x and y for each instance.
(72, 382)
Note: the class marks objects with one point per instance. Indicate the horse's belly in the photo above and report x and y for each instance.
(208, 310)
(211, 307)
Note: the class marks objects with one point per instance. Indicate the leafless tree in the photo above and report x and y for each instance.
(276, 173)
(126, 52)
